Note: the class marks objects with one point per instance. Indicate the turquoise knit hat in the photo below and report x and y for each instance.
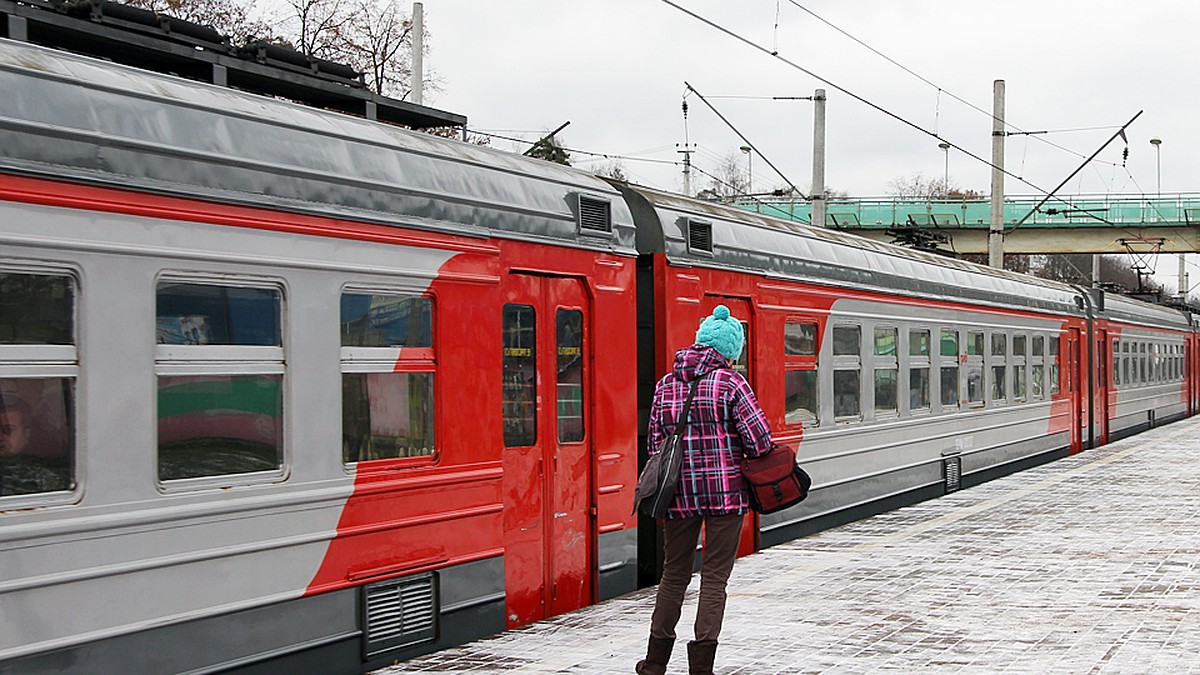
(723, 333)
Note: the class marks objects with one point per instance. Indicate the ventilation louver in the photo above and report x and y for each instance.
(699, 237)
(595, 215)
(952, 472)
(400, 612)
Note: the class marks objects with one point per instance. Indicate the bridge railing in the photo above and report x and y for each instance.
(1070, 211)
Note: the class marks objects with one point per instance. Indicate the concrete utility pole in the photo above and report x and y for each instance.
(818, 168)
(418, 53)
(996, 229)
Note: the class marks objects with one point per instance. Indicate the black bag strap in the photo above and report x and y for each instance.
(687, 407)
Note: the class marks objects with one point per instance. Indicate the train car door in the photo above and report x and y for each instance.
(740, 309)
(1103, 382)
(1075, 390)
(549, 529)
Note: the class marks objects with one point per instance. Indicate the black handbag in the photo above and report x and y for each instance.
(660, 477)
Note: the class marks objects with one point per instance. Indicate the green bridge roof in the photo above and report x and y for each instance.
(1068, 211)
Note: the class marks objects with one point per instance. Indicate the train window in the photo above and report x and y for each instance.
(1037, 377)
(570, 375)
(886, 390)
(949, 343)
(39, 365)
(918, 389)
(974, 343)
(219, 367)
(371, 320)
(800, 397)
(999, 366)
(949, 387)
(974, 384)
(800, 373)
(800, 339)
(846, 394)
(918, 369)
(386, 415)
(1142, 370)
(847, 340)
(1019, 382)
(1125, 374)
(519, 402)
(742, 365)
(918, 342)
(885, 341)
(1116, 361)
(1052, 354)
(208, 314)
(1019, 342)
(1039, 343)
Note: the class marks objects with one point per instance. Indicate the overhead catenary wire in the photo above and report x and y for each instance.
(934, 85)
(750, 43)
(745, 140)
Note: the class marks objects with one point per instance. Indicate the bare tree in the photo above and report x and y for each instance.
(316, 27)
(378, 38)
(228, 17)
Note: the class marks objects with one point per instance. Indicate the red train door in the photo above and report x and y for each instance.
(739, 308)
(549, 529)
(1075, 390)
(1103, 382)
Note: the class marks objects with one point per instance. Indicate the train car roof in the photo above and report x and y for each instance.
(1133, 311)
(70, 117)
(742, 240)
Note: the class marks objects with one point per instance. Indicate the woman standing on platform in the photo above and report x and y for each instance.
(725, 423)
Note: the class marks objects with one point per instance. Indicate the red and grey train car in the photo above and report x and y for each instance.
(305, 389)
(298, 390)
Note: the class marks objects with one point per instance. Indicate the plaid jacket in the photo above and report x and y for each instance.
(724, 424)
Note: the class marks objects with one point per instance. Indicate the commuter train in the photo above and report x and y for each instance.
(289, 390)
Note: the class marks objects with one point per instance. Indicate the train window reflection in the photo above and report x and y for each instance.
(570, 360)
(998, 382)
(918, 389)
(1036, 380)
(213, 425)
(1039, 343)
(386, 320)
(885, 342)
(999, 344)
(949, 387)
(208, 314)
(886, 390)
(518, 396)
(975, 343)
(949, 342)
(800, 397)
(847, 340)
(36, 309)
(974, 384)
(918, 342)
(800, 339)
(386, 416)
(846, 394)
(37, 433)
(1019, 382)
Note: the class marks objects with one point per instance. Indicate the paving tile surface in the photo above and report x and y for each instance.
(1084, 565)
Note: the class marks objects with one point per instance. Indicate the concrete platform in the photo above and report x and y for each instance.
(1085, 565)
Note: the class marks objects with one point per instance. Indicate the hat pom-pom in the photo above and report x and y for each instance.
(721, 312)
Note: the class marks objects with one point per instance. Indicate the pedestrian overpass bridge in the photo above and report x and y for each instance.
(1070, 224)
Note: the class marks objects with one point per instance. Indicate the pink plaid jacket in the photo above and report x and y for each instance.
(725, 423)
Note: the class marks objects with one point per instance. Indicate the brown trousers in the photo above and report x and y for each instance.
(680, 537)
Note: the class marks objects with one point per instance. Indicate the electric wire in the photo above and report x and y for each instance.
(750, 43)
(929, 82)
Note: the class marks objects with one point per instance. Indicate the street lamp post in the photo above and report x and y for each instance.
(747, 150)
(946, 170)
(1183, 276)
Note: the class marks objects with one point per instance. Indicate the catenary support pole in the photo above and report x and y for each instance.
(818, 167)
(996, 229)
(418, 53)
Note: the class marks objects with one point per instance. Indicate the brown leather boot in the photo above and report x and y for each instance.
(658, 652)
(701, 655)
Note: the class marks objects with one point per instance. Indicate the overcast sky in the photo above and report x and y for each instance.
(616, 70)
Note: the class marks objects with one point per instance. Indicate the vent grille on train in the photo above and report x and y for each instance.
(400, 612)
(952, 472)
(699, 237)
(595, 215)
